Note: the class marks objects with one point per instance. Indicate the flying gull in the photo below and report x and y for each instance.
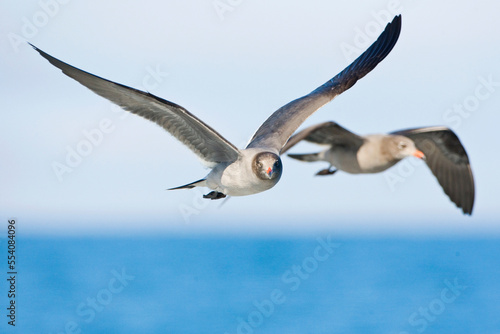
(235, 172)
(438, 146)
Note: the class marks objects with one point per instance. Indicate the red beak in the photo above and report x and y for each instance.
(419, 154)
(269, 170)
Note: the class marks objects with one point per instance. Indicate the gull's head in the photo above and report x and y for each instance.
(402, 147)
(267, 166)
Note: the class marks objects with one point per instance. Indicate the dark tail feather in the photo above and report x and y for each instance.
(305, 157)
(189, 185)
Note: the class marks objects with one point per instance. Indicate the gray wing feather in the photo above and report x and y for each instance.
(275, 131)
(327, 133)
(448, 161)
(204, 141)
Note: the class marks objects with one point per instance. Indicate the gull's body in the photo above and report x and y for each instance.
(439, 146)
(372, 156)
(236, 172)
(238, 178)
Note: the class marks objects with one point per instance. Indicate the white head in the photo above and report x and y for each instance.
(400, 147)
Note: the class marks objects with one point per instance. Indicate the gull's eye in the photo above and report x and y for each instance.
(402, 145)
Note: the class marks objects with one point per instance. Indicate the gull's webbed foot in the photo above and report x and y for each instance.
(326, 171)
(214, 195)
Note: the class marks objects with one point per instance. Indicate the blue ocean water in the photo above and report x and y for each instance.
(232, 285)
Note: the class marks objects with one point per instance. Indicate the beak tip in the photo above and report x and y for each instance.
(419, 154)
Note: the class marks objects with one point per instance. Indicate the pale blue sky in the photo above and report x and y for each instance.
(233, 69)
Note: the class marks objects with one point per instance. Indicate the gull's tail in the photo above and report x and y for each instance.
(306, 157)
(199, 183)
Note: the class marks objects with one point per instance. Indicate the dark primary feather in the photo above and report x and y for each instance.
(327, 133)
(448, 161)
(276, 130)
(187, 128)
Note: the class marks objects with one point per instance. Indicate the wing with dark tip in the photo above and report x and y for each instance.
(204, 141)
(448, 161)
(327, 133)
(275, 131)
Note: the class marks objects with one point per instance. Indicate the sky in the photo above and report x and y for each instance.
(232, 63)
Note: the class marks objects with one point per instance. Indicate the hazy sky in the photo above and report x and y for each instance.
(232, 63)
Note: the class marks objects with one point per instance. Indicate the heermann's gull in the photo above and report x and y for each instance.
(439, 146)
(257, 167)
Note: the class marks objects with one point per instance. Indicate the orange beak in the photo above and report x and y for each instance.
(419, 154)
(269, 170)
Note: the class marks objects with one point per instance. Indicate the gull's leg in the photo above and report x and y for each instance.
(214, 195)
(327, 171)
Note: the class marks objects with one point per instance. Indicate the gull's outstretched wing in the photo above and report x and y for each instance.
(204, 141)
(327, 133)
(448, 161)
(275, 131)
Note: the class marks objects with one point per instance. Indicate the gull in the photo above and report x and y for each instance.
(438, 146)
(235, 172)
